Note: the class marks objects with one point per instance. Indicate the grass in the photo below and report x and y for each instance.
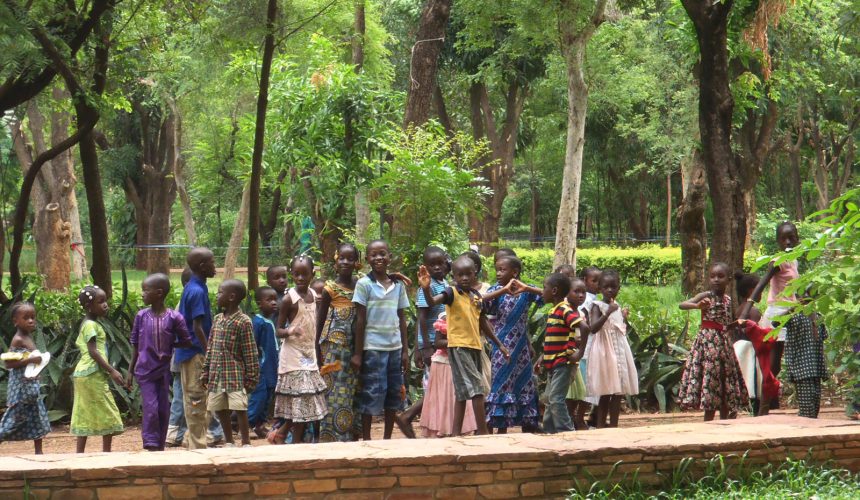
(721, 478)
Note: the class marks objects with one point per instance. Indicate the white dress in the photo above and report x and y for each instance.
(611, 368)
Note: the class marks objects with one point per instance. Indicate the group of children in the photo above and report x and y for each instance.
(331, 355)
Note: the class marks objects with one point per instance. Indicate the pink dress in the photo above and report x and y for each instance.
(611, 368)
(437, 416)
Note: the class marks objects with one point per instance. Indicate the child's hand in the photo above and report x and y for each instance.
(613, 306)
(402, 277)
(35, 360)
(118, 378)
(516, 287)
(423, 277)
(355, 362)
(129, 380)
(419, 359)
(505, 352)
(704, 304)
(293, 331)
(404, 361)
(625, 312)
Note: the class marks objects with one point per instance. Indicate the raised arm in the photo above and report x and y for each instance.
(759, 288)
(700, 301)
(424, 283)
(599, 317)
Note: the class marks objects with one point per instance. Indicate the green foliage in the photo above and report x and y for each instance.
(764, 234)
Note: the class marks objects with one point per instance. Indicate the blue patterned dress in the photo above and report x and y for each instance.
(26, 417)
(513, 396)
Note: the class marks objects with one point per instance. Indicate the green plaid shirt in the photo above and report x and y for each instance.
(231, 358)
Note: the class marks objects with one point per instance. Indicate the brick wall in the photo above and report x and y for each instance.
(508, 466)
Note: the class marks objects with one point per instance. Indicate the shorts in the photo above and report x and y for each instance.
(466, 373)
(219, 401)
(381, 382)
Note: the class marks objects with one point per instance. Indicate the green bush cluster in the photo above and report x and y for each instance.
(645, 265)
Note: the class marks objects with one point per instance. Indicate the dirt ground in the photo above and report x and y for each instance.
(60, 441)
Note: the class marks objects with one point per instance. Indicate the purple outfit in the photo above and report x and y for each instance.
(155, 336)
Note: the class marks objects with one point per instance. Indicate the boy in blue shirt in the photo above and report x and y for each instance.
(267, 350)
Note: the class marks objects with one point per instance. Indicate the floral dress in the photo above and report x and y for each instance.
(336, 344)
(713, 375)
(26, 417)
(512, 400)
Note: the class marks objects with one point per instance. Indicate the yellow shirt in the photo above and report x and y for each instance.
(463, 313)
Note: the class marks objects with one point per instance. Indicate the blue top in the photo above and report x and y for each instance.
(382, 330)
(194, 304)
(267, 349)
(436, 287)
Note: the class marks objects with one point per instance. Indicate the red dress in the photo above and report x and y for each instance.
(757, 335)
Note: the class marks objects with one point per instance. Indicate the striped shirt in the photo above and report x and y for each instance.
(436, 287)
(382, 328)
(559, 341)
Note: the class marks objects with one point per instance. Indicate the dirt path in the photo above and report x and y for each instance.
(60, 441)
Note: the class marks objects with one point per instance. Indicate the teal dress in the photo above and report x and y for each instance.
(26, 417)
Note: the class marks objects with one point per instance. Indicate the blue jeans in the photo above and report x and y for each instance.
(258, 403)
(176, 427)
(381, 380)
(555, 416)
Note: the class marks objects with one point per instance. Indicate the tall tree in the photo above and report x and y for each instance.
(425, 60)
(362, 202)
(575, 33)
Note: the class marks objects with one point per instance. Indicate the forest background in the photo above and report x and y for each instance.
(647, 136)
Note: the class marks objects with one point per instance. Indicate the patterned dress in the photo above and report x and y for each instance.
(26, 417)
(713, 375)
(512, 400)
(336, 344)
(94, 411)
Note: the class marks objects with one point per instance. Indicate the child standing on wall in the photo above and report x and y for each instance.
(300, 393)
(156, 331)
(231, 369)
(94, 411)
(466, 321)
(26, 417)
(712, 379)
(381, 355)
(611, 367)
(804, 359)
(267, 350)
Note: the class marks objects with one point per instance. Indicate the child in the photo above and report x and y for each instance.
(300, 393)
(197, 311)
(804, 359)
(611, 368)
(26, 417)
(437, 261)
(512, 399)
(335, 340)
(266, 339)
(712, 379)
(577, 393)
(94, 411)
(380, 339)
(560, 351)
(437, 418)
(756, 372)
(466, 321)
(276, 277)
(156, 331)
(231, 369)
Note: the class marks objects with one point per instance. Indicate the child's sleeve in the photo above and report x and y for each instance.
(360, 295)
(449, 296)
(403, 302)
(194, 304)
(89, 331)
(135, 330)
(249, 355)
(571, 319)
(420, 300)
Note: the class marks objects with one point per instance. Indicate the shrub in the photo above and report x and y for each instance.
(646, 265)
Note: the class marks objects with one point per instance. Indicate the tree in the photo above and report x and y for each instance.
(575, 33)
(425, 58)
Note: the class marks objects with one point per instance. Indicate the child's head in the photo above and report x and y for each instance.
(318, 285)
(378, 256)
(567, 270)
(745, 284)
(591, 276)
(185, 277)
(610, 284)
(576, 296)
(347, 260)
(231, 293)
(786, 236)
(24, 316)
(267, 300)
(94, 301)
(503, 252)
(155, 288)
(437, 263)
(201, 260)
(718, 277)
(556, 286)
(302, 271)
(464, 271)
(276, 277)
(508, 268)
(476, 259)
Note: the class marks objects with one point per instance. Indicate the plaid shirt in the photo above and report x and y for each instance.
(231, 358)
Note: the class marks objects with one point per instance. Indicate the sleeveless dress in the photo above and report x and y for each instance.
(437, 415)
(611, 367)
(712, 369)
(26, 417)
(94, 411)
(336, 344)
(300, 392)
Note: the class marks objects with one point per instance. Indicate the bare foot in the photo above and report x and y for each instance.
(405, 426)
(261, 431)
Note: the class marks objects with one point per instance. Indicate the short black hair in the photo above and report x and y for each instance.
(475, 257)
(351, 246)
(589, 270)
(18, 306)
(504, 252)
(272, 269)
(261, 291)
(745, 284)
(237, 287)
(302, 258)
(719, 264)
(783, 225)
(512, 261)
(160, 281)
(610, 274)
(466, 258)
(574, 281)
(88, 294)
(185, 277)
(560, 281)
(432, 251)
(566, 269)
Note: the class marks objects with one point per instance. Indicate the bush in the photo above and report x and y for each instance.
(645, 265)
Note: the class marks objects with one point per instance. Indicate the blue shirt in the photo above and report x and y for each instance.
(436, 288)
(267, 349)
(194, 304)
(382, 330)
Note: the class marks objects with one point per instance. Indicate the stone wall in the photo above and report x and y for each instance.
(506, 466)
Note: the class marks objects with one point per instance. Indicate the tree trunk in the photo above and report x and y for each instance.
(289, 223)
(267, 228)
(794, 159)
(425, 58)
(3, 298)
(668, 210)
(573, 44)
(534, 230)
(756, 144)
(691, 224)
(362, 205)
(715, 125)
(237, 236)
(259, 138)
(179, 176)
